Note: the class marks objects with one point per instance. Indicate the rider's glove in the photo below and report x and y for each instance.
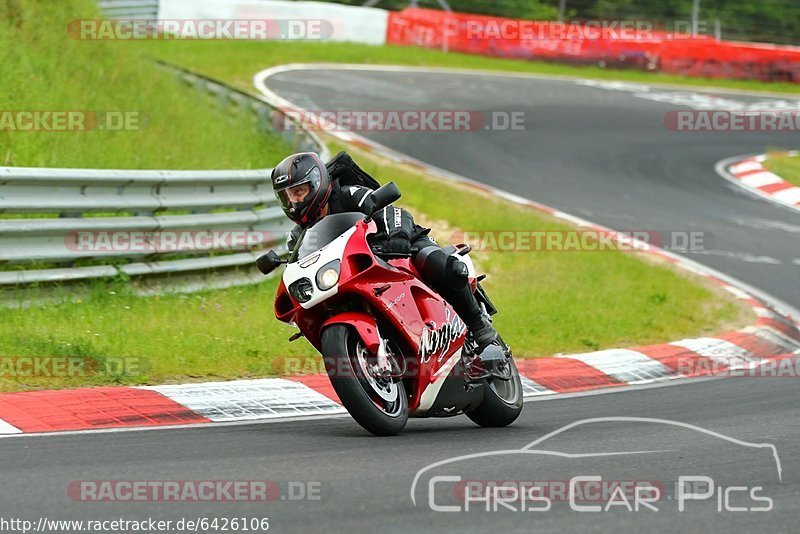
(398, 244)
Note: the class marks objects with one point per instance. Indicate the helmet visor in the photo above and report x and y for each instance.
(297, 194)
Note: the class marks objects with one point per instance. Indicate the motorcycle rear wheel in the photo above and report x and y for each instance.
(379, 405)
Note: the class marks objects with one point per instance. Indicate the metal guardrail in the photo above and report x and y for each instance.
(84, 200)
(129, 9)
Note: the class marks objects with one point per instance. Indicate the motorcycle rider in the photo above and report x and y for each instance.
(307, 193)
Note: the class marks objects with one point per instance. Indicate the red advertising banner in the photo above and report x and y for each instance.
(629, 43)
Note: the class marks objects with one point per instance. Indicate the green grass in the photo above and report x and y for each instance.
(44, 69)
(549, 302)
(238, 61)
(785, 166)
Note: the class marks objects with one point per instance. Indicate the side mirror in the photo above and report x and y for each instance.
(383, 196)
(269, 262)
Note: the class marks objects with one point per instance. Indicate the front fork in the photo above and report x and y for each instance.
(384, 365)
(367, 329)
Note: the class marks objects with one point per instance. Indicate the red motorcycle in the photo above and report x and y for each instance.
(392, 347)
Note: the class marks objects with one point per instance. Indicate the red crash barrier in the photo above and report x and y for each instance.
(725, 59)
(608, 43)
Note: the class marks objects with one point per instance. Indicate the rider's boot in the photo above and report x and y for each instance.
(478, 363)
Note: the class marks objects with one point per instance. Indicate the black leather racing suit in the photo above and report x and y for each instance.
(439, 270)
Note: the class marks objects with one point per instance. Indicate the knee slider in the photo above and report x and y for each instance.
(441, 270)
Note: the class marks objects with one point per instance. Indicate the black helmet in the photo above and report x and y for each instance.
(303, 205)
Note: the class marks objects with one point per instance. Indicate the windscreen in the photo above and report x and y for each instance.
(323, 232)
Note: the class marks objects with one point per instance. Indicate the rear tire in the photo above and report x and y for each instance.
(363, 397)
(502, 401)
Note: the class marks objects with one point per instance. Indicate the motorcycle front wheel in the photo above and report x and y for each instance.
(378, 404)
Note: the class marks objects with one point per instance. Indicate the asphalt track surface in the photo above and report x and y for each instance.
(604, 155)
(365, 482)
(601, 154)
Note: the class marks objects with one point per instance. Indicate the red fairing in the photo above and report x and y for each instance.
(389, 296)
(364, 325)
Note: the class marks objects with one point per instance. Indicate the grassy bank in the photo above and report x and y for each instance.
(550, 302)
(44, 69)
(785, 166)
(237, 61)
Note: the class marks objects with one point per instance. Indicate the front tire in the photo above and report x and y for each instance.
(380, 405)
(502, 401)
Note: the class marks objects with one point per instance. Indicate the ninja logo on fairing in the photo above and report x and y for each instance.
(438, 340)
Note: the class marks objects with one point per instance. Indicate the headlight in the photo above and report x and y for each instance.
(328, 275)
(302, 290)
